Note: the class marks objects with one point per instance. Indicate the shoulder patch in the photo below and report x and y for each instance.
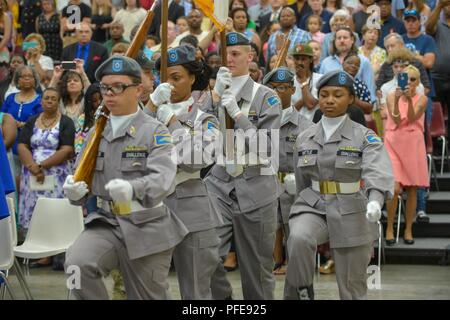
(371, 138)
(210, 125)
(273, 101)
(162, 139)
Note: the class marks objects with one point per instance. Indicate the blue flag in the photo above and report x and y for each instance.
(6, 180)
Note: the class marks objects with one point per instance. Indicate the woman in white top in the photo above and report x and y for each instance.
(131, 15)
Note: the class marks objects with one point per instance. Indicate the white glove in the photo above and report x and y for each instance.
(229, 101)
(223, 80)
(74, 190)
(164, 114)
(120, 190)
(161, 94)
(373, 213)
(289, 184)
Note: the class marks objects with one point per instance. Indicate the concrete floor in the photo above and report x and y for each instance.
(416, 282)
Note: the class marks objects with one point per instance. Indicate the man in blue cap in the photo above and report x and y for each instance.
(246, 193)
(292, 124)
(132, 230)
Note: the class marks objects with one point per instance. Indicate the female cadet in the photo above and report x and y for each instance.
(197, 257)
(343, 175)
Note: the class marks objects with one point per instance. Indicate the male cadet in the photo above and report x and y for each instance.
(134, 170)
(292, 124)
(246, 195)
(148, 78)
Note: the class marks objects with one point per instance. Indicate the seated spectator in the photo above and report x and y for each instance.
(265, 35)
(213, 60)
(132, 14)
(23, 104)
(45, 146)
(359, 18)
(102, 13)
(272, 17)
(404, 136)
(332, 5)
(116, 36)
(35, 57)
(255, 71)
(7, 86)
(92, 53)
(48, 26)
(370, 50)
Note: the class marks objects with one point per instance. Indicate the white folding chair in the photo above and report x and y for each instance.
(18, 269)
(54, 226)
(399, 213)
(6, 256)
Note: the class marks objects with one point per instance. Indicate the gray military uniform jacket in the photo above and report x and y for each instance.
(352, 153)
(192, 134)
(140, 154)
(253, 190)
(292, 124)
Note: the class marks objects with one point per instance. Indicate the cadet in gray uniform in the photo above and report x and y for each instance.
(292, 124)
(132, 230)
(246, 194)
(343, 175)
(197, 256)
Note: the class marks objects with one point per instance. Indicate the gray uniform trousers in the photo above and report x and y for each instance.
(309, 230)
(196, 258)
(254, 234)
(100, 249)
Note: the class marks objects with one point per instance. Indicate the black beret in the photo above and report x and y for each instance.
(280, 75)
(118, 65)
(237, 39)
(144, 62)
(337, 78)
(179, 55)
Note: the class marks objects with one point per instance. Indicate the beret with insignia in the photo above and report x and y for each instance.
(118, 65)
(279, 75)
(337, 78)
(237, 39)
(144, 62)
(177, 56)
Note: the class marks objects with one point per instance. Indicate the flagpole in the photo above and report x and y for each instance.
(164, 44)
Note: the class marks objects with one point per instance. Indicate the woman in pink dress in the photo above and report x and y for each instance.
(405, 143)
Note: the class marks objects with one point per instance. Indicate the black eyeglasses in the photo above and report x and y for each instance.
(116, 88)
(280, 89)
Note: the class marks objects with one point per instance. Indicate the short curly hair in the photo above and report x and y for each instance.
(38, 38)
(18, 73)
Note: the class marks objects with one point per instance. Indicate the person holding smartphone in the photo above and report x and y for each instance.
(406, 147)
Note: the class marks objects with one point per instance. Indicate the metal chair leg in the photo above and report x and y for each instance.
(7, 285)
(380, 243)
(22, 280)
(442, 153)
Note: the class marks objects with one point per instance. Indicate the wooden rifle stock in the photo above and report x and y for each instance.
(86, 165)
(283, 53)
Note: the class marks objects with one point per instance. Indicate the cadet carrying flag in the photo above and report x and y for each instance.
(207, 7)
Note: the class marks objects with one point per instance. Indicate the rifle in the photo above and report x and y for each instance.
(86, 165)
(284, 51)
